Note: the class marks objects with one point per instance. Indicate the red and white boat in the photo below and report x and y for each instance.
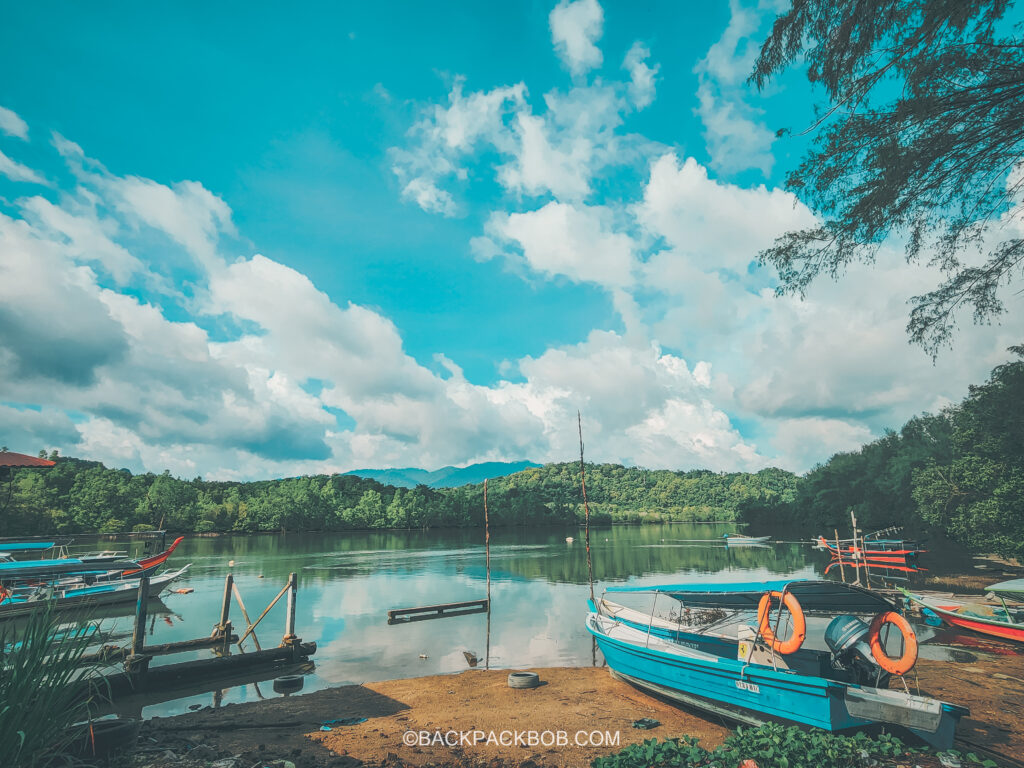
(990, 620)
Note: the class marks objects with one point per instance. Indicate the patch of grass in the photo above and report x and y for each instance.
(771, 746)
(44, 688)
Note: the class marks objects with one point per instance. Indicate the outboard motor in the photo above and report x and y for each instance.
(846, 637)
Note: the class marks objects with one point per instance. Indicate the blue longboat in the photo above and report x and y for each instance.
(709, 653)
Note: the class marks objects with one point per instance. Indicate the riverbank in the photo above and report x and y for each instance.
(989, 680)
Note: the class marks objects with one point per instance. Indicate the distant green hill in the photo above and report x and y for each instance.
(446, 477)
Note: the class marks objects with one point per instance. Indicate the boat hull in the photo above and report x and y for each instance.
(759, 692)
(90, 597)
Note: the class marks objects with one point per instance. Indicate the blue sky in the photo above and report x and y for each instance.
(245, 241)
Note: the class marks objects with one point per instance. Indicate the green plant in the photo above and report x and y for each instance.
(771, 746)
(44, 687)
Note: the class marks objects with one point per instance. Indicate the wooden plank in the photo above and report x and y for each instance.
(203, 669)
(114, 653)
(396, 615)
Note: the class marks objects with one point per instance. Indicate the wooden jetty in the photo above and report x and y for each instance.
(139, 676)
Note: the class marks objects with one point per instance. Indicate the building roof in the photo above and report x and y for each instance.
(12, 459)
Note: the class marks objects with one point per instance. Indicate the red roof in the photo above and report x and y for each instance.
(11, 459)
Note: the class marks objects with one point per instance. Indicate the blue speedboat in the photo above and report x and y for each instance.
(727, 649)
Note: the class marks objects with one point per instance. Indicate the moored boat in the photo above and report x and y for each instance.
(994, 621)
(739, 539)
(1009, 590)
(22, 601)
(717, 650)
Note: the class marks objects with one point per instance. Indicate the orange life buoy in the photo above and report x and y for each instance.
(4, 593)
(904, 663)
(799, 624)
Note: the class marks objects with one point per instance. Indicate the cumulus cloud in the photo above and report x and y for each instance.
(575, 29)
(641, 76)
(578, 242)
(12, 124)
(736, 137)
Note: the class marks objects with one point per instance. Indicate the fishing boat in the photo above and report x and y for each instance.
(100, 566)
(992, 620)
(739, 540)
(718, 648)
(22, 600)
(1009, 590)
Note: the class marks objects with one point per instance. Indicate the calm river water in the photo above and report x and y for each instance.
(348, 581)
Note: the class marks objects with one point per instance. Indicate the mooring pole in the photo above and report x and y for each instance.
(136, 664)
(487, 551)
(139, 633)
(586, 508)
(223, 627)
(289, 629)
(839, 552)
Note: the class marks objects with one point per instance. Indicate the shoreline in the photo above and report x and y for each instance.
(989, 680)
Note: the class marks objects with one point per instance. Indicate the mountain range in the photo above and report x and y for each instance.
(446, 477)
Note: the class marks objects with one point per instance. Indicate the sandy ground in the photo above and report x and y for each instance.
(574, 701)
(569, 700)
(992, 687)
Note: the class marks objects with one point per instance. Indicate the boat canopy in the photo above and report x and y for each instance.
(27, 546)
(829, 596)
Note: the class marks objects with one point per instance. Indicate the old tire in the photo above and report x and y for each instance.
(523, 680)
(288, 683)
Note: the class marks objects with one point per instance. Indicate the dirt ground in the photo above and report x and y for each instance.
(992, 687)
(574, 701)
(570, 700)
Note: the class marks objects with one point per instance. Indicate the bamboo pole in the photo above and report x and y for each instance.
(224, 627)
(265, 612)
(487, 551)
(289, 627)
(245, 615)
(139, 632)
(839, 552)
(586, 507)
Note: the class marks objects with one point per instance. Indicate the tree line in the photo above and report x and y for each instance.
(79, 496)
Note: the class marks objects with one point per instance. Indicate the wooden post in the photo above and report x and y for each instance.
(223, 627)
(839, 552)
(487, 551)
(853, 522)
(586, 508)
(139, 633)
(289, 629)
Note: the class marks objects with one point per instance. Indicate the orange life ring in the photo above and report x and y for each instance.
(904, 663)
(4, 593)
(799, 624)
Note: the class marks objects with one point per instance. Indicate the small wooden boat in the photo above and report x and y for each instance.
(1009, 590)
(739, 540)
(21, 602)
(706, 654)
(989, 620)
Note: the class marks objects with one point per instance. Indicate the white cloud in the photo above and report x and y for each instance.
(12, 124)
(735, 136)
(641, 76)
(15, 171)
(577, 242)
(712, 224)
(575, 29)
(804, 442)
